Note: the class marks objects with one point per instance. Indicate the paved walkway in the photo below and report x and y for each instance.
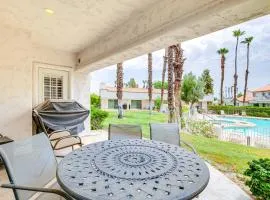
(219, 188)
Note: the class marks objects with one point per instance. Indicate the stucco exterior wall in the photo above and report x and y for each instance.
(81, 93)
(104, 103)
(15, 83)
(129, 95)
(17, 55)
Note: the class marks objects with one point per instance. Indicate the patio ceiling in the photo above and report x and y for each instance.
(102, 33)
(74, 25)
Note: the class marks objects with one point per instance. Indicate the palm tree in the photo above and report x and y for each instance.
(237, 34)
(222, 52)
(119, 88)
(150, 71)
(178, 73)
(163, 76)
(170, 86)
(247, 41)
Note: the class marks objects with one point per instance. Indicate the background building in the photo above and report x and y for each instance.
(258, 97)
(133, 98)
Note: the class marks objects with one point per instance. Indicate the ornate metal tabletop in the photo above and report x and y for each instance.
(132, 169)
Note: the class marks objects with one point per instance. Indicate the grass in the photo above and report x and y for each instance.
(227, 156)
(142, 118)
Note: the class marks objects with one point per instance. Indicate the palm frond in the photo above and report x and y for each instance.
(222, 51)
(247, 40)
(238, 33)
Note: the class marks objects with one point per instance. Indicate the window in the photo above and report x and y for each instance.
(136, 104)
(53, 87)
(112, 103)
(53, 83)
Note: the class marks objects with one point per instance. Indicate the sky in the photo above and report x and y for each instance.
(201, 53)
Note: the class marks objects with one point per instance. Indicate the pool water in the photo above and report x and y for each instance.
(262, 125)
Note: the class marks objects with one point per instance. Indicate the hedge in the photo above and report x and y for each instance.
(250, 110)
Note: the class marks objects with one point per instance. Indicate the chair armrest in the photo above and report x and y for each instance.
(189, 145)
(61, 131)
(59, 140)
(36, 189)
(58, 134)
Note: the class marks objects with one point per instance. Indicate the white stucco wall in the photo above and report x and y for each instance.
(81, 93)
(105, 94)
(17, 55)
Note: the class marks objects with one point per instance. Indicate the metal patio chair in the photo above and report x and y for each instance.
(60, 139)
(31, 168)
(124, 131)
(169, 133)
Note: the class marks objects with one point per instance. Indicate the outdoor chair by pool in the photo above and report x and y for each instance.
(169, 133)
(31, 168)
(124, 131)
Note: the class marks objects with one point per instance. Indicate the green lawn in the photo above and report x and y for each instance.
(225, 155)
(142, 118)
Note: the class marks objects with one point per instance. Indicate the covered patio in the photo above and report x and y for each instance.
(69, 40)
(217, 188)
(49, 49)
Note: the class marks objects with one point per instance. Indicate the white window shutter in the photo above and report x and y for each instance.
(52, 87)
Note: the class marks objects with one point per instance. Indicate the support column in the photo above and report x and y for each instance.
(81, 92)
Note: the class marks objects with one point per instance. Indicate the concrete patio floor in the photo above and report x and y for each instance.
(219, 188)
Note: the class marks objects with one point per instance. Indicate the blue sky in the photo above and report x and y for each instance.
(201, 54)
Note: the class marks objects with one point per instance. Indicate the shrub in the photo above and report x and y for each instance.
(250, 110)
(97, 117)
(259, 182)
(95, 100)
(201, 127)
(157, 103)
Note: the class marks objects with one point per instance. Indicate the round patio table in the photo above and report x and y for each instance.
(132, 169)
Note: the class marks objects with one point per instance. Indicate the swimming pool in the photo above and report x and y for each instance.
(261, 126)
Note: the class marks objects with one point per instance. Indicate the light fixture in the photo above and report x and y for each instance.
(49, 11)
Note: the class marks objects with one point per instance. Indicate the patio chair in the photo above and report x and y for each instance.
(60, 139)
(222, 112)
(31, 168)
(169, 133)
(124, 131)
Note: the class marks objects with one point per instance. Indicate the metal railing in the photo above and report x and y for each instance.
(257, 137)
(252, 136)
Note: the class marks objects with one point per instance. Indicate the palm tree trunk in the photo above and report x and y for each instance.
(163, 76)
(235, 73)
(119, 85)
(170, 86)
(222, 78)
(150, 71)
(178, 72)
(246, 76)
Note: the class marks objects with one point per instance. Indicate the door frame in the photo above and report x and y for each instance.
(35, 81)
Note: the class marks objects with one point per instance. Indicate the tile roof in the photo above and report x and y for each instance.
(249, 97)
(265, 88)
